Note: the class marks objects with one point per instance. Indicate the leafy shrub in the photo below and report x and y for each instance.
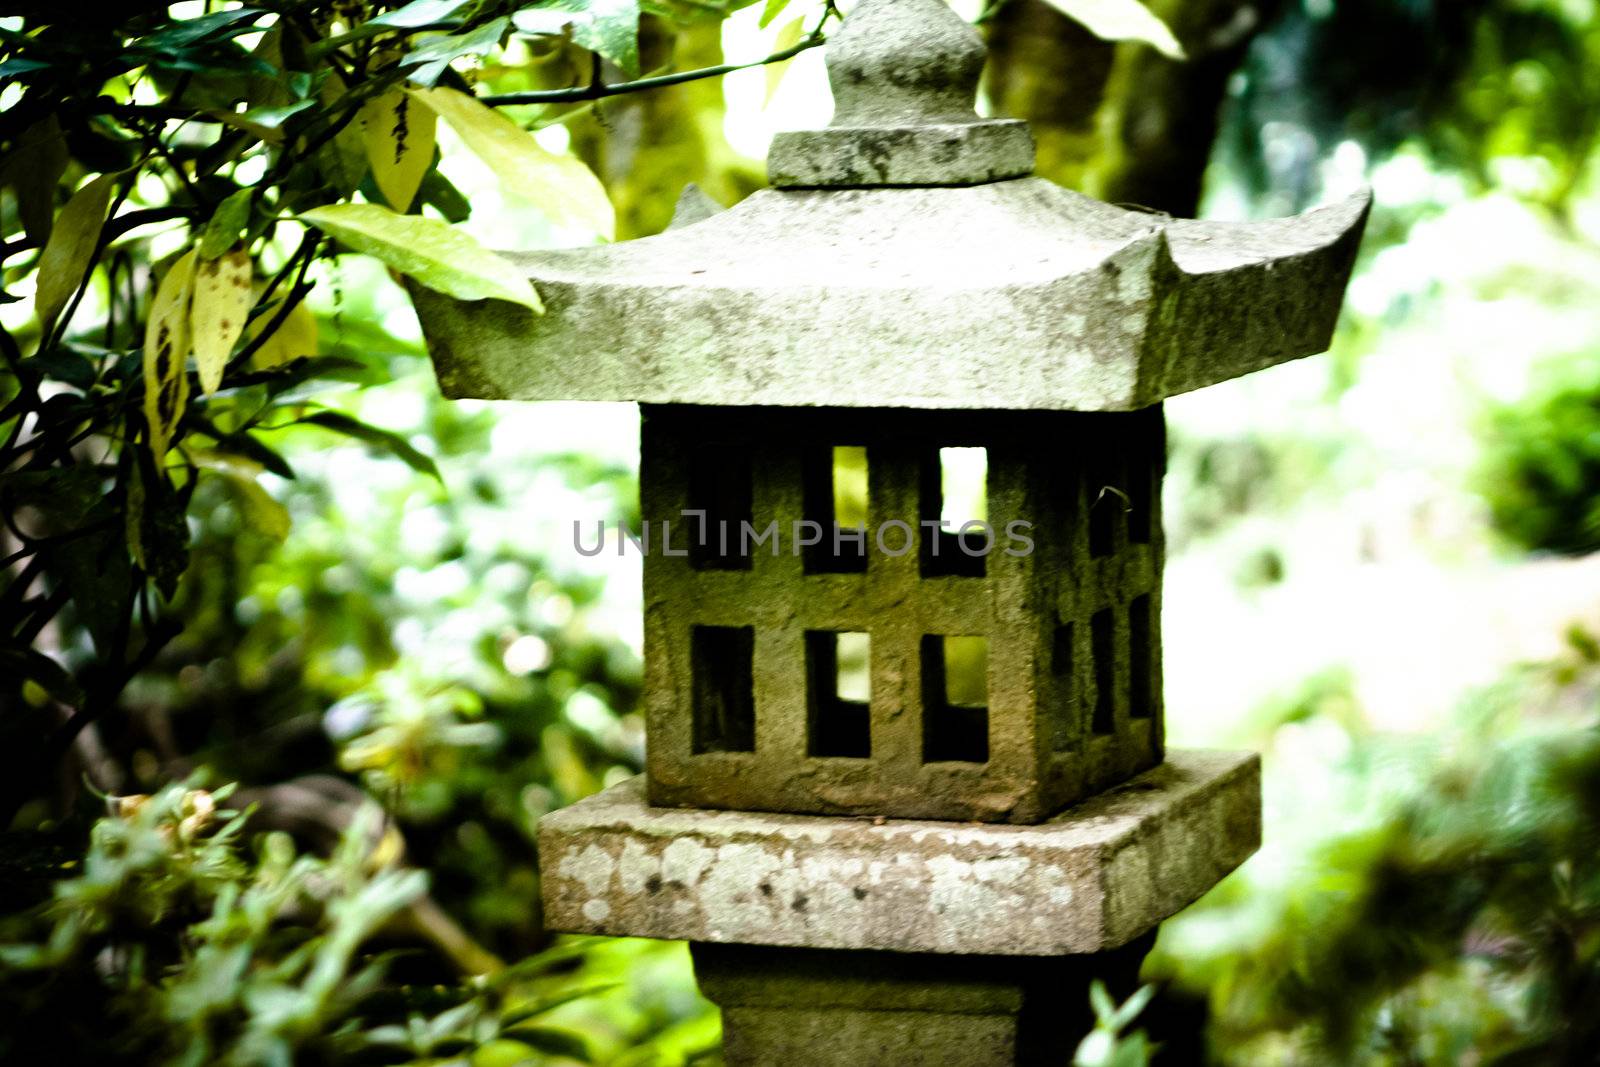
(1541, 475)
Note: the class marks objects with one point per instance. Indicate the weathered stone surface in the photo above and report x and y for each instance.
(1071, 618)
(1094, 878)
(904, 74)
(862, 157)
(1012, 295)
(785, 1007)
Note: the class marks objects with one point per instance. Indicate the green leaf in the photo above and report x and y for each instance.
(439, 192)
(160, 538)
(65, 495)
(419, 13)
(268, 90)
(95, 569)
(67, 256)
(342, 161)
(426, 250)
(133, 514)
(243, 444)
(548, 1003)
(34, 168)
(552, 1041)
(65, 364)
(1131, 1007)
(773, 9)
(42, 671)
(227, 222)
(428, 61)
(393, 443)
(265, 123)
(1100, 1000)
(1121, 20)
(561, 186)
(219, 26)
(607, 27)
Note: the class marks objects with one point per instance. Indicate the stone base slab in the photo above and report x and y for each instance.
(1091, 879)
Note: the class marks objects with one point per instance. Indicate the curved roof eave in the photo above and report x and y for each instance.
(1015, 295)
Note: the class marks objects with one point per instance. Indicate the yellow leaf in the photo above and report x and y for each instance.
(258, 508)
(399, 135)
(72, 242)
(166, 354)
(427, 251)
(787, 38)
(295, 338)
(217, 315)
(561, 186)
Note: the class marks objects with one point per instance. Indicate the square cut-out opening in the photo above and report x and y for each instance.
(956, 537)
(719, 488)
(1103, 647)
(1065, 705)
(835, 498)
(838, 694)
(1141, 665)
(955, 698)
(722, 661)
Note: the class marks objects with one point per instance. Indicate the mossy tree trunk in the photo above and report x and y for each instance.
(1120, 121)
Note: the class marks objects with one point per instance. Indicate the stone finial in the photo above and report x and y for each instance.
(904, 75)
(904, 63)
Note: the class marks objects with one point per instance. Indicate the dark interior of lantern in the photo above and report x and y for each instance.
(722, 661)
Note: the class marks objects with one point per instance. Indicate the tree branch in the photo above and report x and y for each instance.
(600, 90)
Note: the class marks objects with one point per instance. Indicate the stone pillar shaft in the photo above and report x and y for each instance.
(796, 1007)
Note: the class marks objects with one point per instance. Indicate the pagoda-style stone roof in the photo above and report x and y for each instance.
(906, 260)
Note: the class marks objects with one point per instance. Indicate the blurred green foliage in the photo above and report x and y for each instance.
(1541, 472)
(1459, 922)
(1481, 86)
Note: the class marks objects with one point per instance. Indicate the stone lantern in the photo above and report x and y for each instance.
(931, 870)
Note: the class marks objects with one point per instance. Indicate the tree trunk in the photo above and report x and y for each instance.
(1121, 122)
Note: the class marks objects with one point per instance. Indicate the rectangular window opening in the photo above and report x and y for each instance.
(955, 698)
(1103, 642)
(1141, 664)
(838, 698)
(835, 492)
(955, 496)
(722, 665)
(1061, 670)
(720, 486)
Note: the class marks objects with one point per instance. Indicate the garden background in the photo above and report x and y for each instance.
(286, 578)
